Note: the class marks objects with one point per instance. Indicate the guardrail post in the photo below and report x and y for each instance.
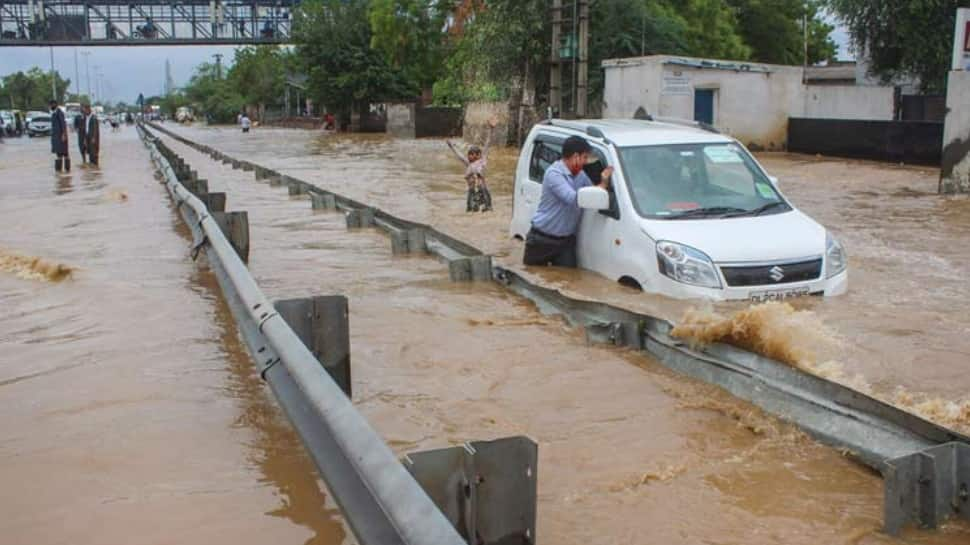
(323, 324)
(235, 225)
(467, 269)
(360, 217)
(408, 241)
(198, 187)
(294, 186)
(275, 181)
(926, 487)
(487, 489)
(215, 202)
(322, 201)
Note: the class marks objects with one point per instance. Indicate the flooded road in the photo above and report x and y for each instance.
(629, 453)
(130, 410)
(132, 414)
(901, 331)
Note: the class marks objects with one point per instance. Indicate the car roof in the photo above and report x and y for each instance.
(637, 132)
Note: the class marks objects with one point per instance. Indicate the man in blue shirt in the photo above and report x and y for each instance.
(552, 238)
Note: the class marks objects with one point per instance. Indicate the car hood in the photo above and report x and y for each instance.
(789, 235)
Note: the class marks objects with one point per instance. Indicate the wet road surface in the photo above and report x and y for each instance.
(133, 414)
(901, 332)
(628, 451)
(130, 410)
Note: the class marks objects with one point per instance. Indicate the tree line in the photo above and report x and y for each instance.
(357, 52)
(31, 90)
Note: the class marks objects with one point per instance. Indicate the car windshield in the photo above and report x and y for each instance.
(697, 180)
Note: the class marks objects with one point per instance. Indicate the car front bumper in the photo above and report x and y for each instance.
(829, 287)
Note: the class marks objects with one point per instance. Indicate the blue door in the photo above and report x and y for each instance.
(704, 106)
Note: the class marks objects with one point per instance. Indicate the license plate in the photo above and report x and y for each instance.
(777, 295)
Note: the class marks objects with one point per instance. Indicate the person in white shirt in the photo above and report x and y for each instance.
(92, 134)
(245, 123)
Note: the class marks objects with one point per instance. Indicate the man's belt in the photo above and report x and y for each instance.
(547, 235)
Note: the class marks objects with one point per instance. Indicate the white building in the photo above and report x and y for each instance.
(750, 101)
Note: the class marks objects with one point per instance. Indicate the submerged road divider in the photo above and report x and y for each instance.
(925, 467)
(483, 492)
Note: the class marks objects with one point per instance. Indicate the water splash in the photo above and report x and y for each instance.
(33, 268)
(951, 414)
(775, 330)
(661, 473)
(798, 337)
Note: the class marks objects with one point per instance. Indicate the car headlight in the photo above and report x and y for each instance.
(835, 258)
(687, 265)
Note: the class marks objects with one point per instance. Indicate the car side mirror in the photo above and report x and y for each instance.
(593, 198)
(773, 180)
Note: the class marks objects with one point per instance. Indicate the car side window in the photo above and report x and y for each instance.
(594, 170)
(544, 154)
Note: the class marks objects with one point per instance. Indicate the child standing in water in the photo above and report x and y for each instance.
(475, 162)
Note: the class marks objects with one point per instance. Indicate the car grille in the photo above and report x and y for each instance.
(779, 273)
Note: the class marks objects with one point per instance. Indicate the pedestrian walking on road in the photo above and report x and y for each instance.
(244, 122)
(475, 161)
(79, 133)
(92, 135)
(59, 139)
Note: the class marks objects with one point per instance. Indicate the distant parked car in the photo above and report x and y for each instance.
(9, 123)
(39, 125)
(32, 114)
(184, 115)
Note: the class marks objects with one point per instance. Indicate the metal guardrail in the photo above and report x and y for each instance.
(926, 467)
(383, 500)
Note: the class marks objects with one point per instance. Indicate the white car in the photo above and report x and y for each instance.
(690, 213)
(39, 125)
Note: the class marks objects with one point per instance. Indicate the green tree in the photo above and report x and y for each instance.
(409, 35)
(257, 74)
(712, 29)
(215, 97)
(501, 54)
(31, 90)
(333, 40)
(630, 28)
(903, 37)
(774, 31)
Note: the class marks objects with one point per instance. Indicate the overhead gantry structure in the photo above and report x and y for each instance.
(144, 22)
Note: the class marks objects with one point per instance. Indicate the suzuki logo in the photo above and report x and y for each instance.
(776, 273)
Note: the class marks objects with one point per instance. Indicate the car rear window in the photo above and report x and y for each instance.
(544, 154)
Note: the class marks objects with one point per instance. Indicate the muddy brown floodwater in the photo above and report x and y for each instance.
(132, 414)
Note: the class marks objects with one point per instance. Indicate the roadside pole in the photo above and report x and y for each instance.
(955, 159)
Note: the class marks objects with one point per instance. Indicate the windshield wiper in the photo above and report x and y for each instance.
(718, 211)
(760, 210)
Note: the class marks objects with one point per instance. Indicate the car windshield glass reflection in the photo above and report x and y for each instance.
(697, 180)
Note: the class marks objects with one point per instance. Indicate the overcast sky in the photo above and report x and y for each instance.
(129, 70)
(126, 70)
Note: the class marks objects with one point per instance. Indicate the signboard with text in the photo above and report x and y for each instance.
(675, 83)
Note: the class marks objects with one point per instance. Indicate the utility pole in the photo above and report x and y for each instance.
(87, 71)
(555, 70)
(53, 77)
(97, 88)
(218, 57)
(582, 76)
(804, 36)
(77, 77)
